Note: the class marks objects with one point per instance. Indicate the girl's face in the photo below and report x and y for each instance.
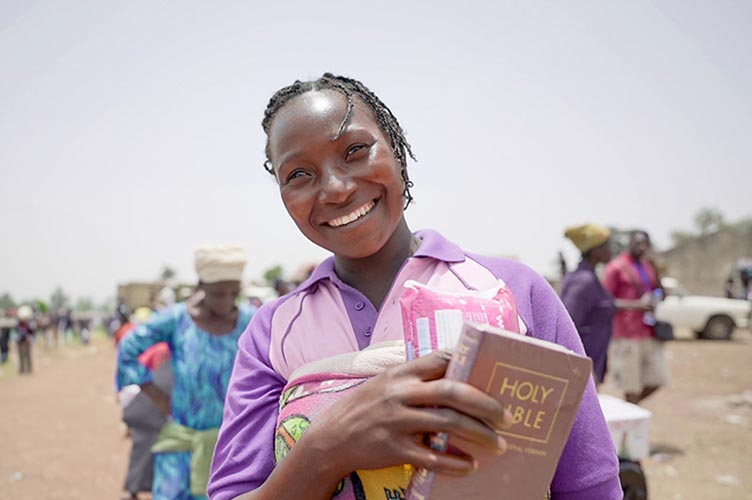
(343, 192)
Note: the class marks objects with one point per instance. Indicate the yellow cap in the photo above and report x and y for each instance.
(587, 236)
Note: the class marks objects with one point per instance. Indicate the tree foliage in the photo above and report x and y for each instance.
(6, 301)
(272, 274)
(85, 304)
(708, 220)
(167, 273)
(59, 299)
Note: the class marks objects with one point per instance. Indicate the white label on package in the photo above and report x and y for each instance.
(424, 336)
(448, 327)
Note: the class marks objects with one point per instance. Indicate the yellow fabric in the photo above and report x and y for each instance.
(175, 438)
(587, 236)
(376, 482)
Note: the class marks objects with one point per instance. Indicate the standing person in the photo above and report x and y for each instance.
(729, 289)
(202, 334)
(6, 325)
(637, 356)
(589, 304)
(25, 340)
(125, 325)
(340, 159)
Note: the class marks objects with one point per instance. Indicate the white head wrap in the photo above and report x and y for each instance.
(215, 263)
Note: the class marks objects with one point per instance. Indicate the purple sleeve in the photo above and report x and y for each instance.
(588, 468)
(244, 454)
(578, 296)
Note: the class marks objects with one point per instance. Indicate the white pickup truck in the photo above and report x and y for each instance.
(709, 317)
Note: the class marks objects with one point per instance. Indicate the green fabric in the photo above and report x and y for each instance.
(175, 437)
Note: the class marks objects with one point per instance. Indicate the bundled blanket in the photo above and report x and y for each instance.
(314, 387)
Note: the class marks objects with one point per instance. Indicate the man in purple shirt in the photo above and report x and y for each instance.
(590, 305)
(339, 157)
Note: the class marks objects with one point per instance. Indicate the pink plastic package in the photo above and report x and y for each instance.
(433, 319)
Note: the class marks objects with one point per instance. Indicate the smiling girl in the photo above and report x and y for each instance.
(340, 159)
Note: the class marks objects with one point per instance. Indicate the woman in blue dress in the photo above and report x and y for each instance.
(202, 334)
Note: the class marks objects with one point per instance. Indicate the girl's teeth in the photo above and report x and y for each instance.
(357, 214)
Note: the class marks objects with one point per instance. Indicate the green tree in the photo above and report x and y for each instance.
(167, 273)
(272, 274)
(6, 301)
(58, 299)
(84, 304)
(40, 306)
(708, 220)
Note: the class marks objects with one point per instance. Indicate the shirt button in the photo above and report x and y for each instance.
(367, 331)
(359, 306)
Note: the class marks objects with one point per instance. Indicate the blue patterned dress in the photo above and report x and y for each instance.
(201, 364)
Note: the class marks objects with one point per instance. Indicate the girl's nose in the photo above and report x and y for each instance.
(336, 186)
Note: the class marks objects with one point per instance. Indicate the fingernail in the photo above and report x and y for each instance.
(501, 446)
(506, 419)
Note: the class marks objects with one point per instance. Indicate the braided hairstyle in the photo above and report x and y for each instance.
(347, 87)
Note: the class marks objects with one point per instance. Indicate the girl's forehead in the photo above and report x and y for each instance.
(325, 105)
(316, 103)
(318, 112)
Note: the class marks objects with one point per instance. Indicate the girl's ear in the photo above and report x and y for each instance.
(269, 167)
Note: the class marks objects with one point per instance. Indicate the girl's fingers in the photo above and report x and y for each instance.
(430, 367)
(460, 396)
(443, 463)
(454, 423)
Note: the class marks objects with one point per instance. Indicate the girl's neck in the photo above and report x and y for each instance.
(373, 276)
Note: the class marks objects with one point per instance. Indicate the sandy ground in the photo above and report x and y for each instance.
(61, 438)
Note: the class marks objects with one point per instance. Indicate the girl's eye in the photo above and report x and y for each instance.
(355, 148)
(296, 174)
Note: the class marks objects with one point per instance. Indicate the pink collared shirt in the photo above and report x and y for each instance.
(623, 281)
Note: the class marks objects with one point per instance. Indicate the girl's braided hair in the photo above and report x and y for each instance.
(348, 87)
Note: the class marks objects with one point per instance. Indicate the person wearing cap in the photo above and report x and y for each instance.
(590, 305)
(25, 330)
(202, 334)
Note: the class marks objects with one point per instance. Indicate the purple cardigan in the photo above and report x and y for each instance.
(284, 334)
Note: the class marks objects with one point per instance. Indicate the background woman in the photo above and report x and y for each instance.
(202, 334)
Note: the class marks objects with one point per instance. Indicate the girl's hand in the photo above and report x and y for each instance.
(383, 422)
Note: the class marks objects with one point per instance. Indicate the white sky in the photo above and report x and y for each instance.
(130, 131)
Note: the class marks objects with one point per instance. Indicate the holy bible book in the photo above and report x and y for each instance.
(541, 384)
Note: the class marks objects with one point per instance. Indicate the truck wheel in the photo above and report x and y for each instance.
(718, 328)
(632, 480)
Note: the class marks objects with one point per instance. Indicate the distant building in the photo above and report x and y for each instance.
(703, 264)
(144, 294)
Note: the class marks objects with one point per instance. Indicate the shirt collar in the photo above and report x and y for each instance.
(585, 265)
(433, 245)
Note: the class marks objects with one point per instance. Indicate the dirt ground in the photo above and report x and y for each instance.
(61, 437)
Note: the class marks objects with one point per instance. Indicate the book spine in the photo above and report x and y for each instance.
(459, 369)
